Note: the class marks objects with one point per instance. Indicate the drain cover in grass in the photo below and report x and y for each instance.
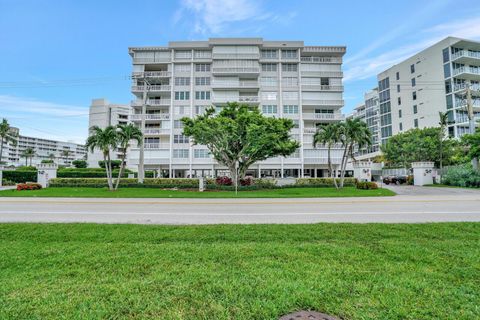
(308, 315)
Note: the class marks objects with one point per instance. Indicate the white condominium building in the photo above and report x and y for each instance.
(102, 114)
(283, 78)
(63, 153)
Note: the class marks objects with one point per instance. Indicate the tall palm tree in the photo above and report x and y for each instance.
(126, 133)
(354, 132)
(328, 136)
(6, 136)
(443, 123)
(51, 156)
(28, 153)
(65, 154)
(104, 140)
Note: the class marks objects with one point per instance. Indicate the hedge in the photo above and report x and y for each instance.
(367, 185)
(125, 182)
(324, 182)
(20, 176)
(76, 173)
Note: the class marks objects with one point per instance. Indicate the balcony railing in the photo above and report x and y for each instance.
(151, 74)
(322, 87)
(157, 146)
(323, 74)
(236, 70)
(155, 87)
(321, 59)
(324, 116)
(151, 102)
(236, 98)
(460, 70)
(324, 49)
(309, 130)
(463, 86)
(318, 102)
(150, 116)
(250, 56)
(234, 84)
(467, 54)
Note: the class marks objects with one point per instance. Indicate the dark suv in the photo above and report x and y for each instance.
(395, 179)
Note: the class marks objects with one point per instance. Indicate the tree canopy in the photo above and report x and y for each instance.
(240, 133)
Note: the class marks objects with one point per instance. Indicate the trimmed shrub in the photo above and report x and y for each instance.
(323, 182)
(28, 186)
(79, 164)
(366, 185)
(223, 181)
(6, 182)
(462, 176)
(20, 176)
(410, 180)
(124, 182)
(87, 173)
(115, 164)
(248, 181)
(47, 161)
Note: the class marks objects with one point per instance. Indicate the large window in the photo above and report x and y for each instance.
(182, 95)
(290, 95)
(202, 67)
(290, 109)
(182, 81)
(266, 67)
(269, 95)
(446, 70)
(201, 153)
(269, 109)
(177, 124)
(202, 81)
(289, 54)
(289, 67)
(415, 109)
(268, 81)
(412, 68)
(180, 153)
(446, 56)
(180, 138)
(290, 81)
(202, 95)
(269, 54)
(182, 67)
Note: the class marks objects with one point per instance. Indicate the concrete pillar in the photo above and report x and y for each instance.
(362, 170)
(45, 172)
(423, 173)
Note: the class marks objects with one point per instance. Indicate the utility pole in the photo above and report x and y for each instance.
(141, 162)
(471, 118)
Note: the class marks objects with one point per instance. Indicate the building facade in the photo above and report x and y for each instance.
(412, 93)
(282, 78)
(63, 153)
(102, 114)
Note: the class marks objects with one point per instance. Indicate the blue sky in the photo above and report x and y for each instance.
(56, 55)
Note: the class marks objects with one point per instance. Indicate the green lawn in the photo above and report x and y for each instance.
(158, 193)
(369, 271)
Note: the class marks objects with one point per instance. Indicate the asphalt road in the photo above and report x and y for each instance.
(411, 206)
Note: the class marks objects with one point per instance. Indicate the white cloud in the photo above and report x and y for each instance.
(28, 106)
(358, 69)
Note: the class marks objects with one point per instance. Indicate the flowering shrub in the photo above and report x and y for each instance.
(248, 181)
(28, 186)
(224, 181)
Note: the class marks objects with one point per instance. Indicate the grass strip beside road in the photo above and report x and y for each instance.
(353, 271)
(159, 193)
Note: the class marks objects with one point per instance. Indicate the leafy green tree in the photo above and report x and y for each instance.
(104, 140)
(6, 136)
(419, 145)
(28, 153)
(79, 163)
(352, 133)
(65, 154)
(126, 133)
(328, 135)
(471, 142)
(444, 121)
(241, 134)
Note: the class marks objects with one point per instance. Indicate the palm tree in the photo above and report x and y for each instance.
(104, 140)
(126, 133)
(443, 123)
(354, 132)
(28, 153)
(65, 154)
(6, 136)
(51, 156)
(328, 135)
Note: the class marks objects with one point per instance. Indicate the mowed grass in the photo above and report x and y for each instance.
(160, 193)
(369, 271)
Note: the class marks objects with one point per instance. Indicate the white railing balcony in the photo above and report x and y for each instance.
(463, 86)
(151, 88)
(157, 146)
(248, 98)
(318, 87)
(234, 84)
(323, 74)
(324, 49)
(156, 131)
(309, 130)
(151, 74)
(321, 59)
(466, 54)
(324, 116)
(461, 70)
(245, 99)
(150, 116)
(249, 56)
(318, 102)
(236, 69)
(158, 102)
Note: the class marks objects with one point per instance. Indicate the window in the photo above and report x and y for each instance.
(386, 132)
(202, 67)
(324, 81)
(448, 87)
(399, 101)
(415, 109)
(412, 68)
(269, 95)
(182, 81)
(203, 54)
(397, 75)
(289, 67)
(414, 95)
(269, 67)
(180, 153)
(289, 54)
(400, 113)
(201, 153)
(385, 108)
(383, 84)
(290, 95)
(202, 95)
(446, 70)
(268, 81)
(290, 81)
(182, 95)
(386, 119)
(400, 126)
(181, 110)
(269, 109)
(183, 54)
(178, 124)
(415, 123)
(200, 109)
(446, 56)
(414, 83)
(269, 54)
(296, 124)
(180, 138)
(398, 88)
(449, 101)
(290, 109)
(202, 81)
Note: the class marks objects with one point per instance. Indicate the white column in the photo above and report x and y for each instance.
(422, 173)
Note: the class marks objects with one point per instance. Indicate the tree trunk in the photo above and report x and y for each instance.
(122, 166)
(330, 167)
(105, 160)
(1, 148)
(343, 165)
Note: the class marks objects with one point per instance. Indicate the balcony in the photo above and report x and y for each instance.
(466, 57)
(474, 88)
(318, 102)
(324, 116)
(321, 59)
(152, 88)
(236, 70)
(234, 84)
(151, 102)
(309, 130)
(151, 74)
(324, 49)
(157, 146)
(318, 87)
(150, 116)
(467, 72)
(243, 99)
(322, 74)
(236, 56)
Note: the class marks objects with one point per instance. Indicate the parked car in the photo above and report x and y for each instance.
(395, 179)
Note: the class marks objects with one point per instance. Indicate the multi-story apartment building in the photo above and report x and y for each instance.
(102, 114)
(45, 149)
(282, 78)
(413, 92)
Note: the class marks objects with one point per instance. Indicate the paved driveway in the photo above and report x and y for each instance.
(431, 191)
